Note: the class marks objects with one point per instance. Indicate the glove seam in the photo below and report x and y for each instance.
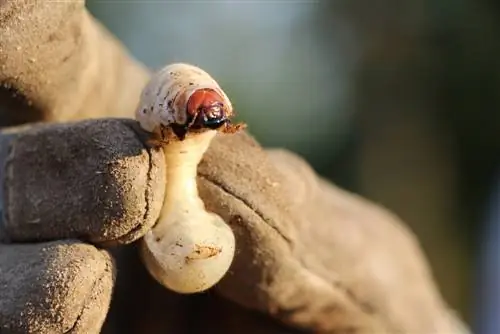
(88, 297)
(6, 191)
(131, 234)
(147, 192)
(148, 176)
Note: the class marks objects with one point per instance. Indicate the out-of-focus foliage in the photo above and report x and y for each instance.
(396, 100)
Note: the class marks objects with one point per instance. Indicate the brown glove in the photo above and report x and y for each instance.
(77, 195)
(308, 255)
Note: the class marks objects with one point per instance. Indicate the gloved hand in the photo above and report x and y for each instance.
(76, 197)
(308, 254)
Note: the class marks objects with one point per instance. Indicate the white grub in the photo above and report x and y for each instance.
(189, 249)
(164, 98)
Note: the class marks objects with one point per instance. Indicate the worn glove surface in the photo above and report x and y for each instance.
(309, 255)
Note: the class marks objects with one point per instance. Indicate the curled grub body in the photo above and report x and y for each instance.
(189, 249)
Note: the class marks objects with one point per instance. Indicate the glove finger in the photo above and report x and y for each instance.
(92, 180)
(375, 257)
(56, 287)
(238, 181)
(316, 259)
(58, 63)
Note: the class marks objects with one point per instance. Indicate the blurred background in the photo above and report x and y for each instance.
(395, 100)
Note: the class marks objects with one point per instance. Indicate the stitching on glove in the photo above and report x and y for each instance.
(148, 175)
(88, 299)
(147, 192)
(148, 186)
(5, 189)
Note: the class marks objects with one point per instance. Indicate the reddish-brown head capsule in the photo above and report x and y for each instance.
(205, 109)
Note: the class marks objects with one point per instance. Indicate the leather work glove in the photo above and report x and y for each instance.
(309, 255)
(78, 193)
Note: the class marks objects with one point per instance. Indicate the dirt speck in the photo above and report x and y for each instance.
(203, 252)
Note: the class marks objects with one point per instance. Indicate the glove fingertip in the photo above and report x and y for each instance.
(57, 287)
(93, 180)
